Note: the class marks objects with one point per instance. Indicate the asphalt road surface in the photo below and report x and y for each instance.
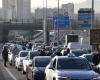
(9, 72)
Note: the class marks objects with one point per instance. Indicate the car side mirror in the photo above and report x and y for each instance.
(51, 67)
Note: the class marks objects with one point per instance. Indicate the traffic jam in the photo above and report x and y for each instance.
(40, 62)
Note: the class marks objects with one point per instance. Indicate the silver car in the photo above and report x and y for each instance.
(70, 68)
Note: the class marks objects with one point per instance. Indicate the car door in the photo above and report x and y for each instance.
(51, 70)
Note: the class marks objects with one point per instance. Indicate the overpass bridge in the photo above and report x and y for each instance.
(6, 27)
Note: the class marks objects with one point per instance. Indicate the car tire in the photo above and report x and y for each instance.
(54, 79)
(45, 78)
(18, 69)
(10, 64)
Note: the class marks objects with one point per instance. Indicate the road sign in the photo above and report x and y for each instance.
(61, 21)
(95, 36)
(85, 18)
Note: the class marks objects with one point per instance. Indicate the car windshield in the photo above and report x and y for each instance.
(42, 62)
(79, 64)
(23, 54)
(32, 54)
(79, 53)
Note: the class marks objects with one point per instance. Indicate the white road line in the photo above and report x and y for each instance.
(13, 77)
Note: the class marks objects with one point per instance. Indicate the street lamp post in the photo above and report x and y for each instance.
(46, 32)
(92, 13)
(58, 24)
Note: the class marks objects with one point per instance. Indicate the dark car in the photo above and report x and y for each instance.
(79, 52)
(36, 72)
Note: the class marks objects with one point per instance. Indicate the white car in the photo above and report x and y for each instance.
(14, 50)
(70, 68)
(28, 60)
(19, 59)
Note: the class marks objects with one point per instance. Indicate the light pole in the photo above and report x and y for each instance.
(58, 24)
(92, 13)
(45, 27)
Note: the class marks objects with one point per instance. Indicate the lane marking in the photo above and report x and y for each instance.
(12, 76)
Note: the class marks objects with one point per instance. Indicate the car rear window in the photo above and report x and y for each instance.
(32, 54)
(79, 53)
(80, 64)
(42, 62)
(23, 54)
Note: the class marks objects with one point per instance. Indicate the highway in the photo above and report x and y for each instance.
(9, 72)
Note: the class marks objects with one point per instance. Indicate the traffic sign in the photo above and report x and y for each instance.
(95, 36)
(61, 21)
(85, 18)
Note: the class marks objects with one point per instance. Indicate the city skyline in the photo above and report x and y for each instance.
(53, 4)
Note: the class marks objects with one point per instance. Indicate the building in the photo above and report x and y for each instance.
(66, 9)
(23, 10)
(9, 9)
(19, 10)
(1, 14)
(69, 8)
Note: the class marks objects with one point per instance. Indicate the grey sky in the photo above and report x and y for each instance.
(53, 3)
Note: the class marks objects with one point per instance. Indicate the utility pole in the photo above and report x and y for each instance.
(58, 24)
(46, 32)
(92, 13)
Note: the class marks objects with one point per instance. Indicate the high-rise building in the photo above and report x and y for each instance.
(66, 9)
(69, 8)
(19, 10)
(9, 9)
(23, 10)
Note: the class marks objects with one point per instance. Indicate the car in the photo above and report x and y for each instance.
(36, 72)
(74, 45)
(64, 52)
(79, 52)
(89, 57)
(28, 60)
(19, 59)
(54, 49)
(48, 49)
(12, 55)
(70, 68)
(35, 45)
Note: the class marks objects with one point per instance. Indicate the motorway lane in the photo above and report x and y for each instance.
(9, 72)
(3, 73)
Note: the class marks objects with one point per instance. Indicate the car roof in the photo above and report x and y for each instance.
(66, 57)
(24, 51)
(86, 54)
(77, 50)
(42, 57)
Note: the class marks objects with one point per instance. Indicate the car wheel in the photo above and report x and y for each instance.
(18, 68)
(54, 79)
(45, 78)
(10, 64)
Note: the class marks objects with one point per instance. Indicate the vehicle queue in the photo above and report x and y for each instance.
(53, 63)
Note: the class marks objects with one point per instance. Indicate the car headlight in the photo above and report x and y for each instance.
(62, 78)
(98, 78)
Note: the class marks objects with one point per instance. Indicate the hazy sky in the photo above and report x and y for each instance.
(51, 3)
